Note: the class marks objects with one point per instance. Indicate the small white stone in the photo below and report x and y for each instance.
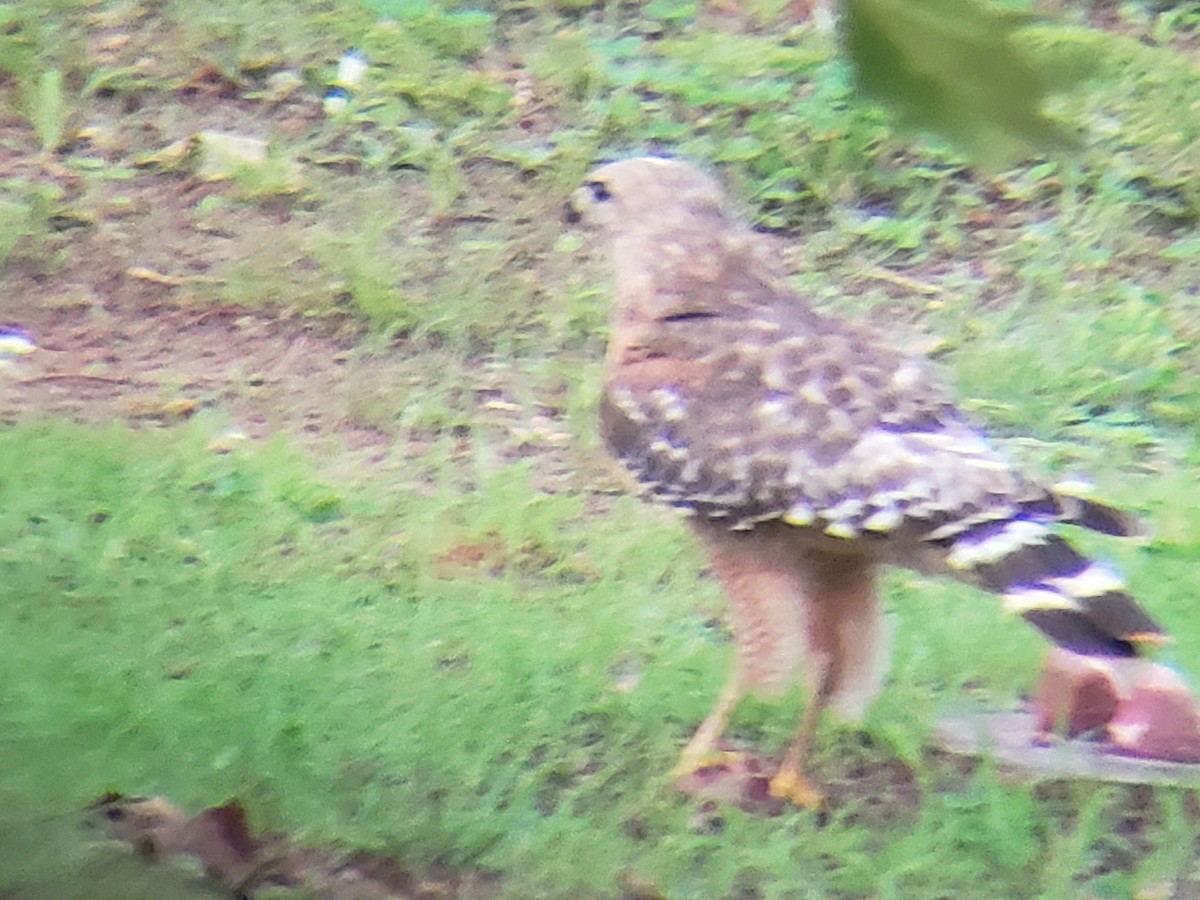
(351, 70)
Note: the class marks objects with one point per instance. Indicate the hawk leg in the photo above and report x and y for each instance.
(798, 612)
(701, 750)
(790, 782)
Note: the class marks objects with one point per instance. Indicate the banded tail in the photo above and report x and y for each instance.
(1078, 604)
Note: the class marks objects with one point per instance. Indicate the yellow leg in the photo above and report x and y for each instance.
(790, 782)
(701, 749)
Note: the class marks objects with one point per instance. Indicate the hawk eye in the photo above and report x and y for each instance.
(600, 191)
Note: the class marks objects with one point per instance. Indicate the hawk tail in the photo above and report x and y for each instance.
(1077, 603)
(1094, 516)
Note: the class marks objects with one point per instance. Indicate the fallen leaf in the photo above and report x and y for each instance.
(223, 156)
(230, 853)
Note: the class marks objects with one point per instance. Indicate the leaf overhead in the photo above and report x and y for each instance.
(957, 68)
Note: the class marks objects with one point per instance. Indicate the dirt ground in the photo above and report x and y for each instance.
(148, 359)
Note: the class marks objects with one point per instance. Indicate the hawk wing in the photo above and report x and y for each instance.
(832, 431)
(826, 428)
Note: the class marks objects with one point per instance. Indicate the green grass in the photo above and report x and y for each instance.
(289, 626)
(204, 626)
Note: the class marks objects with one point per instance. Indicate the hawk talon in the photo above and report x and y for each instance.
(690, 764)
(794, 787)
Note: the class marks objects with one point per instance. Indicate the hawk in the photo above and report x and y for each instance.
(807, 453)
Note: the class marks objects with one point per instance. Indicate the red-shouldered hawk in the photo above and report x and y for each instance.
(807, 452)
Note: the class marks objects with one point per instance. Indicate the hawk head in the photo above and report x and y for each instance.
(648, 194)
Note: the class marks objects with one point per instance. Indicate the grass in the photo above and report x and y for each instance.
(456, 652)
(201, 625)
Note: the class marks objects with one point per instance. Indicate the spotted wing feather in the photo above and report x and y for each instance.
(821, 425)
(818, 423)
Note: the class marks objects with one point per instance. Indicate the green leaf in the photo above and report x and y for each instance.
(955, 67)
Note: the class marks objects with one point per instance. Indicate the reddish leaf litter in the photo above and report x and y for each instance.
(869, 792)
(236, 859)
(737, 779)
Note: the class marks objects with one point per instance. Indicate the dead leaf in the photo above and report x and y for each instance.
(160, 408)
(143, 274)
(220, 840)
(209, 81)
(223, 156)
(170, 158)
(487, 556)
(736, 779)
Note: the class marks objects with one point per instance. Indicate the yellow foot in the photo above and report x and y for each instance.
(689, 764)
(791, 785)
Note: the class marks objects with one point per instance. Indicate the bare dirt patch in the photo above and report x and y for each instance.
(160, 362)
